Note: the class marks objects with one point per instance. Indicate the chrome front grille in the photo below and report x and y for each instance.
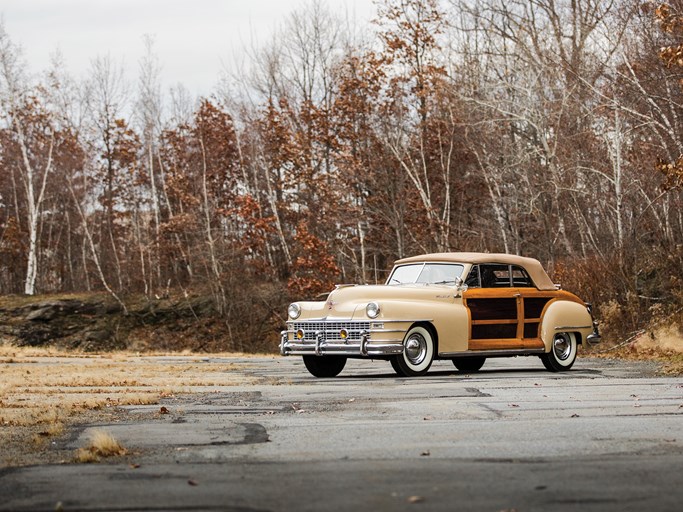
(330, 330)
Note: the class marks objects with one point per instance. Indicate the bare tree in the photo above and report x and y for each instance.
(149, 108)
(107, 102)
(37, 161)
(533, 67)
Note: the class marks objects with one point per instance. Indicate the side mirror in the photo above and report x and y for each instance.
(460, 287)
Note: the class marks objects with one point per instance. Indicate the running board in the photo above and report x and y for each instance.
(494, 353)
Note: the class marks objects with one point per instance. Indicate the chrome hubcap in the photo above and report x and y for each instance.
(562, 346)
(416, 349)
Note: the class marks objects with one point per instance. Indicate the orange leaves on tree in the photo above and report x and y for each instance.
(315, 269)
(410, 34)
(411, 27)
(278, 139)
(671, 22)
(255, 226)
(670, 19)
(673, 173)
(217, 154)
(118, 170)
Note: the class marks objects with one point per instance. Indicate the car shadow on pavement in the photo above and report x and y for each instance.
(530, 372)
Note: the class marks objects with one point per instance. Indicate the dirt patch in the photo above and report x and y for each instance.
(43, 392)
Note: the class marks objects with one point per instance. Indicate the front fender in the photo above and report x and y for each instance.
(447, 315)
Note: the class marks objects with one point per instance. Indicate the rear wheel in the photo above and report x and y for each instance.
(562, 352)
(418, 353)
(324, 366)
(469, 364)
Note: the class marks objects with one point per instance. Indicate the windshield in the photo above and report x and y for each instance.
(426, 273)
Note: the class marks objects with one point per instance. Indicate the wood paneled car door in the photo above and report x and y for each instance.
(504, 308)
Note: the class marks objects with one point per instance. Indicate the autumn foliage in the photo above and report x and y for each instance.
(547, 128)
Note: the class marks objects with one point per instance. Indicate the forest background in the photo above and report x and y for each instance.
(548, 128)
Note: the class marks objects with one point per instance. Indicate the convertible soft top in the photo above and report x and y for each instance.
(531, 265)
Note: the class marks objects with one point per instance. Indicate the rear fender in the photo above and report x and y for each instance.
(565, 316)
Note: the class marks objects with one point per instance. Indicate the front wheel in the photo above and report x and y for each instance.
(418, 353)
(469, 364)
(562, 352)
(324, 366)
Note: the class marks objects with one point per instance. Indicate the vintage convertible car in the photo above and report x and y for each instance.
(459, 306)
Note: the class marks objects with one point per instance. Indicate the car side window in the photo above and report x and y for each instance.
(495, 276)
(520, 278)
(473, 280)
(498, 276)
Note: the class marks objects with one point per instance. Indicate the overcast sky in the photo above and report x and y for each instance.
(194, 39)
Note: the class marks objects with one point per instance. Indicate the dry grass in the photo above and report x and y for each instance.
(42, 391)
(661, 342)
(666, 338)
(102, 444)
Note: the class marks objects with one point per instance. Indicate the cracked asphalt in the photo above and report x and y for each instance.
(606, 436)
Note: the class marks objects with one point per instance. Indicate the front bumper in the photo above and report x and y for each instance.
(320, 337)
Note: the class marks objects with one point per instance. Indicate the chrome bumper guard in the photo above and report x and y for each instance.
(321, 347)
(594, 338)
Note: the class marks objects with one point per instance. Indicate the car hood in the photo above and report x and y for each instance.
(347, 300)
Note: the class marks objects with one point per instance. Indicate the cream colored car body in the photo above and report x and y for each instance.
(523, 318)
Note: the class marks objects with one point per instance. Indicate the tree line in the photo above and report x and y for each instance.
(548, 128)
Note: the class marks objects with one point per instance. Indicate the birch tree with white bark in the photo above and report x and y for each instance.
(36, 160)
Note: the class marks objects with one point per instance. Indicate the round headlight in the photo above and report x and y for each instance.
(294, 311)
(372, 309)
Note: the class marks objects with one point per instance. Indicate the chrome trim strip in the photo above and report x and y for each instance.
(373, 331)
(371, 320)
(378, 321)
(568, 327)
(494, 353)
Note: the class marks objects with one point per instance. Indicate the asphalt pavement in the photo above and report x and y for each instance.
(605, 436)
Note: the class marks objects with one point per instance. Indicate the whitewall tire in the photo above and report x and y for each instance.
(562, 355)
(418, 353)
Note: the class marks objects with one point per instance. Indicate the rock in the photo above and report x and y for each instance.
(44, 314)
(97, 336)
(35, 335)
(47, 310)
